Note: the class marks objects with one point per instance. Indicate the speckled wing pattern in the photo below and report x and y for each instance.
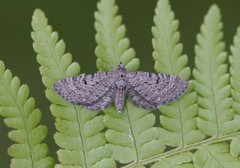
(95, 91)
(150, 90)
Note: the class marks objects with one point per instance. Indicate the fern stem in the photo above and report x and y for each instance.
(132, 134)
(81, 137)
(213, 95)
(186, 148)
(182, 124)
(28, 139)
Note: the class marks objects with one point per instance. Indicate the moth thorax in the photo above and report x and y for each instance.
(121, 83)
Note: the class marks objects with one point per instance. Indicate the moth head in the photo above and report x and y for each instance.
(121, 66)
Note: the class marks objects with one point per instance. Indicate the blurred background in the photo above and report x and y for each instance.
(75, 24)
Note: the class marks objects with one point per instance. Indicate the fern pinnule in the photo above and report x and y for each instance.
(20, 114)
(78, 130)
(178, 120)
(234, 146)
(216, 117)
(215, 155)
(113, 46)
(182, 160)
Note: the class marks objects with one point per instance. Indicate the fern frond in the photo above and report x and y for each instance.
(113, 46)
(78, 130)
(215, 155)
(216, 117)
(131, 134)
(178, 119)
(22, 116)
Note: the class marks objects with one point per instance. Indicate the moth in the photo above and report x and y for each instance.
(97, 91)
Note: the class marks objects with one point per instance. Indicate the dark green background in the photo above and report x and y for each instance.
(74, 21)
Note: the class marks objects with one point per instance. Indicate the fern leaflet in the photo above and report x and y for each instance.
(131, 134)
(78, 130)
(113, 46)
(216, 117)
(21, 115)
(179, 118)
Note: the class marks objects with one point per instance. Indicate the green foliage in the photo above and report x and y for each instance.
(212, 79)
(216, 155)
(79, 136)
(178, 120)
(200, 130)
(131, 135)
(180, 161)
(21, 115)
(234, 60)
(113, 46)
